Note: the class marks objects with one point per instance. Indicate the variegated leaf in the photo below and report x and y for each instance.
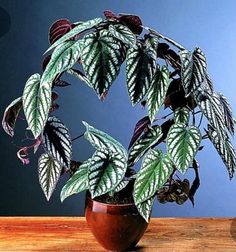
(49, 171)
(193, 69)
(123, 33)
(36, 104)
(106, 171)
(121, 185)
(82, 26)
(140, 69)
(102, 56)
(228, 114)
(78, 182)
(225, 149)
(78, 74)
(57, 141)
(63, 58)
(10, 115)
(100, 139)
(145, 208)
(181, 115)
(144, 143)
(155, 170)
(157, 93)
(183, 144)
(211, 107)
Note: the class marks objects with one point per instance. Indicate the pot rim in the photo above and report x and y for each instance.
(108, 204)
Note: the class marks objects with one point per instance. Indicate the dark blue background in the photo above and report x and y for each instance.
(208, 24)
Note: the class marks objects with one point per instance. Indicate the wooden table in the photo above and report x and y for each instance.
(72, 234)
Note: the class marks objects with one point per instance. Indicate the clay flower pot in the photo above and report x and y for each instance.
(116, 227)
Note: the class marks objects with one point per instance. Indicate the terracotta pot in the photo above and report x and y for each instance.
(116, 227)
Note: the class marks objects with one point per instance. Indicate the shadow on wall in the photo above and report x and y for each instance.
(5, 22)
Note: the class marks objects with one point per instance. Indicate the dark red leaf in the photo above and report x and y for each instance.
(109, 14)
(133, 22)
(195, 184)
(10, 115)
(139, 129)
(22, 154)
(58, 29)
(54, 107)
(55, 95)
(61, 83)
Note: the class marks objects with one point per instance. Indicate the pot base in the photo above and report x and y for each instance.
(115, 227)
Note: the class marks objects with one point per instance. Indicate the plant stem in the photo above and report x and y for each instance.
(200, 122)
(171, 41)
(77, 137)
(164, 117)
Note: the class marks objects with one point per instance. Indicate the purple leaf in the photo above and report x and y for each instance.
(58, 29)
(37, 144)
(133, 22)
(139, 128)
(10, 115)
(22, 155)
(109, 14)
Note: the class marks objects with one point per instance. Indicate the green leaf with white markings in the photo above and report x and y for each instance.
(121, 185)
(106, 171)
(102, 56)
(140, 69)
(49, 171)
(155, 170)
(145, 142)
(181, 115)
(183, 144)
(211, 106)
(123, 33)
(63, 58)
(36, 104)
(157, 93)
(81, 27)
(145, 208)
(193, 70)
(225, 149)
(78, 182)
(228, 114)
(100, 139)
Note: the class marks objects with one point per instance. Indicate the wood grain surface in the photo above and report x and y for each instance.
(72, 234)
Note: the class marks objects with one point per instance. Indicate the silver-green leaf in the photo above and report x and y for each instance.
(181, 115)
(49, 171)
(155, 170)
(36, 104)
(63, 58)
(182, 144)
(157, 93)
(123, 33)
(225, 149)
(193, 70)
(100, 139)
(145, 208)
(102, 56)
(81, 27)
(140, 69)
(121, 185)
(143, 144)
(106, 171)
(78, 74)
(78, 182)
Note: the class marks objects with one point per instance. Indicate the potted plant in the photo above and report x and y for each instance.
(159, 73)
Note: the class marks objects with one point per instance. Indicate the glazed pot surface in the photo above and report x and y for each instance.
(116, 227)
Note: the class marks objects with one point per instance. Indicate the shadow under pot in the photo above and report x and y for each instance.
(115, 227)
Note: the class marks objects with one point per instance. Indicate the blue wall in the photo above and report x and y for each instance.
(208, 24)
